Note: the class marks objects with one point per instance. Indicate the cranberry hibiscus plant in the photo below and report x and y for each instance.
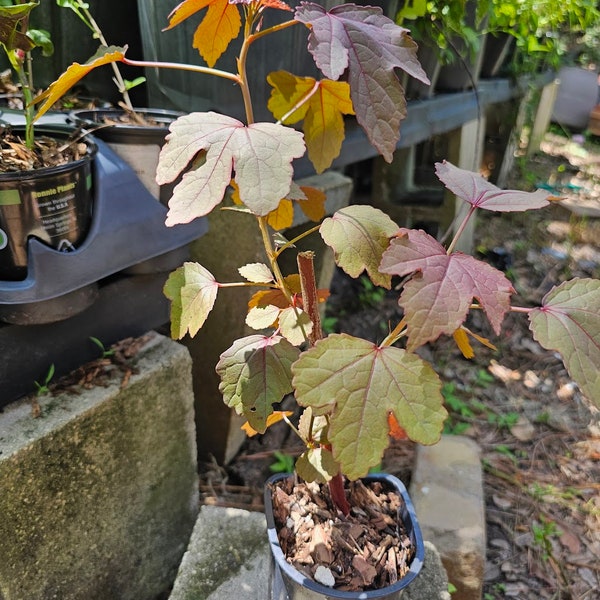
(354, 392)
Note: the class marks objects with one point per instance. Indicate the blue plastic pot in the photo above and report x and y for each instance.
(291, 584)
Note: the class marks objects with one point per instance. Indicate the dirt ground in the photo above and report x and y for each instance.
(540, 439)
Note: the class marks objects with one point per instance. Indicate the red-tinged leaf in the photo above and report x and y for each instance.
(255, 374)
(276, 417)
(359, 235)
(76, 72)
(192, 290)
(220, 25)
(323, 112)
(395, 431)
(569, 322)
(261, 156)
(368, 46)
(474, 189)
(358, 383)
(438, 298)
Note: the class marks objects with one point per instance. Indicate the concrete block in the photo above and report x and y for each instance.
(229, 557)
(99, 494)
(447, 491)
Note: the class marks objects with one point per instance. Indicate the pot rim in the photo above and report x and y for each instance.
(295, 575)
(85, 117)
(59, 132)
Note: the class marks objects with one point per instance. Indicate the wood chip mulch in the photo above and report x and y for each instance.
(368, 549)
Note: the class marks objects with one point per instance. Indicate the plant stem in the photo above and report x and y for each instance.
(395, 334)
(301, 102)
(291, 242)
(182, 67)
(461, 228)
(310, 297)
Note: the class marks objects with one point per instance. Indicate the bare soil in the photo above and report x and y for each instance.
(539, 437)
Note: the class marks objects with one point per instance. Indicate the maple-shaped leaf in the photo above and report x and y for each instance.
(368, 46)
(192, 290)
(474, 189)
(358, 383)
(220, 25)
(255, 374)
(323, 121)
(261, 156)
(56, 90)
(569, 322)
(437, 300)
(359, 235)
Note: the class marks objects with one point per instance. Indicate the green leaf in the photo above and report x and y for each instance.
(192, 290)
(317, 464)
(358, 383)
(11, 36)
(359, 235)
(255, 374)
(569, 322)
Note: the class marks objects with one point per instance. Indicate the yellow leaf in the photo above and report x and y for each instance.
(321, 104)
(314, 205)
(324, 123)
(462, 341)
(288, 90)
(184, 10)
(282, 217)
(75, 73)
(273, 418)
(220, 25)
(481, 339)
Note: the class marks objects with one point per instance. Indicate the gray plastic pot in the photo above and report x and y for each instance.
(138, 145)
(290, 584)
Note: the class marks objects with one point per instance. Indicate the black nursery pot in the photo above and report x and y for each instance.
(53, 204)
(138, 145)
(300, 587)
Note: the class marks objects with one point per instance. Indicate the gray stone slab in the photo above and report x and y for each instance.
(447, 491)
(228, 557)
(99, 494)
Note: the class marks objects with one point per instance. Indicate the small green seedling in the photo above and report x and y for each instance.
(41, 389)
(106, 352)
(284, 463)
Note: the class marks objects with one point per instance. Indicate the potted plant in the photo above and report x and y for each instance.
(45, 179)
(352, 394)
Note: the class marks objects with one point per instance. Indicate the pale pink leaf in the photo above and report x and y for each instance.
(365, 44)
(260, 155)
(437, 299)
(474, 189)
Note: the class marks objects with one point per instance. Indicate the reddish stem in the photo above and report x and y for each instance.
(338, 495)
